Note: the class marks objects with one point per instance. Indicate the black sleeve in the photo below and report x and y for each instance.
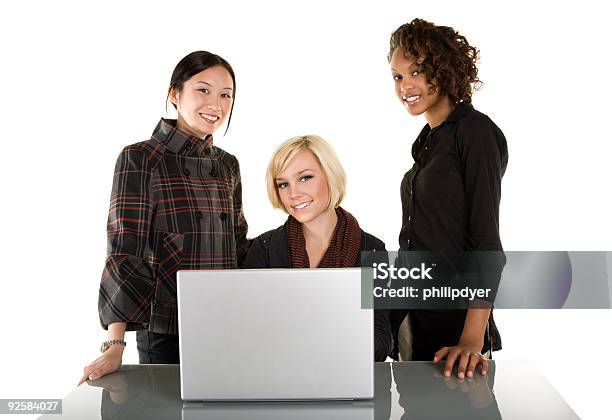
(382, 335)
(484, 155)
(257, 257)
(383, 343)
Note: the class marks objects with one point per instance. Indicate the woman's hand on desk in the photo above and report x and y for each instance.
(467, 355)
(103, 365)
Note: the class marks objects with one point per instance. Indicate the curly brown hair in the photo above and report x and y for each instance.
(445, 57)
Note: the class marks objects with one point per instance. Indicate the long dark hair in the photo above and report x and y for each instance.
(193, 64)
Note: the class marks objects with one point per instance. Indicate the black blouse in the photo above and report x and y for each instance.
(450, 204)
(451, 195)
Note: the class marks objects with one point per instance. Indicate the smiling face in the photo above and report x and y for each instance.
(302, 188)
(204, 102)
(416, 94)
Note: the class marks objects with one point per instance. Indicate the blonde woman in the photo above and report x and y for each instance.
(306, 180)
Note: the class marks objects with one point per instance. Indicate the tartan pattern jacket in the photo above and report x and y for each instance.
(176, 203)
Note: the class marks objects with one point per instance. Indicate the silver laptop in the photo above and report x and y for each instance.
(274, 334)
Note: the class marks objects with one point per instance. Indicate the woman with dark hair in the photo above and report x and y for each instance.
(176, 203)
(306, 180)
(450, 197)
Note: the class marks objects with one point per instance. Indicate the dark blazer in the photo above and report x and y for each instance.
(176, 204)
(271, 250)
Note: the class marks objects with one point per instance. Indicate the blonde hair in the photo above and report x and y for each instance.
(324, 155)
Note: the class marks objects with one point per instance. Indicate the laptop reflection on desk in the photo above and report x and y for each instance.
(276, 410)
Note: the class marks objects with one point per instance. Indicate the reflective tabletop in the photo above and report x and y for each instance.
(405, 390)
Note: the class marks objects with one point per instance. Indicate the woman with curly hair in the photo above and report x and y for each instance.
(451, 195)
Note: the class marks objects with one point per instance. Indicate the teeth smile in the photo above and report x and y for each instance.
(210, 118)
(302, 205)
(412, 99)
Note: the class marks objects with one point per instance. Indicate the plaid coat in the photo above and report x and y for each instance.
(176, 203)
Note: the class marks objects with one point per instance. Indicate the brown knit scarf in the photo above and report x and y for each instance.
(343, 250)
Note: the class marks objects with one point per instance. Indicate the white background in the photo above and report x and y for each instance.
(80, 81)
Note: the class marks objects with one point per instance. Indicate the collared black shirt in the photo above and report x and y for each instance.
(450, 204)
(450, 196)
